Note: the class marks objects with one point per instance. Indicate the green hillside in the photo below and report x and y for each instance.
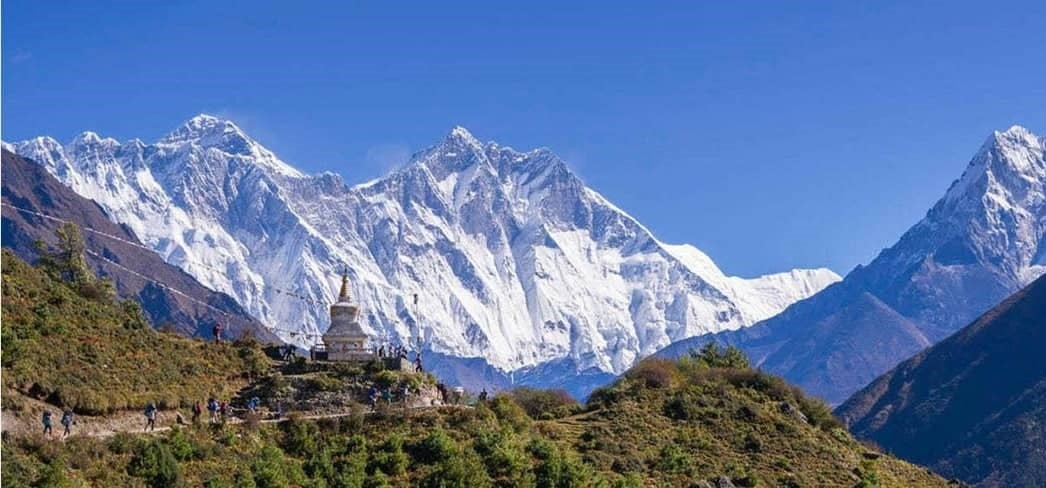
(66, 340)
(692, 422)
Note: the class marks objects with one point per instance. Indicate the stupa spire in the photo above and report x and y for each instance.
(344, 295)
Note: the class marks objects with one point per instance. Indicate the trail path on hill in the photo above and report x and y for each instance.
(133, 422)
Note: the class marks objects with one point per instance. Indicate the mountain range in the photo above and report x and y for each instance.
(192, 310)
(972, 406)
(981, 242)
(500, 262)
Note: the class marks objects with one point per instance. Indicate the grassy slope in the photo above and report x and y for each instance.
(99, 356)
(700, 425)
(663, 424)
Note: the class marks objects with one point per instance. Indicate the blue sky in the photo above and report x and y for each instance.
(769, 134)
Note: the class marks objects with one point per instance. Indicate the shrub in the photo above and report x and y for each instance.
(390, 458)
(269, 468)
(655, 373)
(681, 406)
(155, 464)
(545, 404)
(555, 469)
(672, 459)
(463, 470)
(181, 446)
(300, 436)
(436, 447)
(509, 412)
(713, 356)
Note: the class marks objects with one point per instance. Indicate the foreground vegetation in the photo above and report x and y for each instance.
(664, 423)
(67, 340)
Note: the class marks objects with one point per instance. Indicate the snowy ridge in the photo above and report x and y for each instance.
(513, 258)
(981, 242)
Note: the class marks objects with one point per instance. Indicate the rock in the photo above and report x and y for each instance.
(792, 411)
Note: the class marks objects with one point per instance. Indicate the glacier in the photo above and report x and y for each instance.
(511, 258)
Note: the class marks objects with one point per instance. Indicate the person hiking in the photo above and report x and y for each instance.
(223, 410)
(47, 423)
(253, 404)
(212, 407)
(197, 409)
(483, 395)
(442, 389)
(279, 410)
(387, 396)
(217, 330)
(67, 421)
(417, 364)
(150, 417)
(405, 394)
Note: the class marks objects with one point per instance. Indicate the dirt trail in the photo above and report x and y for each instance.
(27, 422)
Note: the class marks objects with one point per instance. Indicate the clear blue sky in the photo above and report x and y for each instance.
(769, 134)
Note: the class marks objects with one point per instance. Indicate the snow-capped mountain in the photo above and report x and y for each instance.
(514, 260)
(981, 242)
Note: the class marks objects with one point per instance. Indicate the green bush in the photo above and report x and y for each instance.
(462, 470)
(435, 447)
(156, 464)
(389, 457)
(554, 468)
(655, 372)
(545, 404)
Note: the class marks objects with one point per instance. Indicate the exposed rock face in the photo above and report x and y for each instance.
(974, 405)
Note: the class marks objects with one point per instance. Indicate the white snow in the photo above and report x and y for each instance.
(513, 258)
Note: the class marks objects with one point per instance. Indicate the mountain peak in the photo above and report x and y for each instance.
(88, 138)
(461, 137)
(1015, 132)
(211, 131)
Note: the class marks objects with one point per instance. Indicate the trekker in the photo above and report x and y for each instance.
(417, 364)
(483, 395)
(223, 410)
(150, 417)
(47, 423)
(406, 394)
(212, 407)
(387, 396)
(279, 410)
(197, 409)
(372, 398)
(67, 420)
(442, 389)
(253, 404)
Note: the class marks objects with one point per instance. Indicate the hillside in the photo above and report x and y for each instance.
(982, 241)
(706, 429)
(28, 186)
(974, 405)
(705, 421)
(99, 355)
